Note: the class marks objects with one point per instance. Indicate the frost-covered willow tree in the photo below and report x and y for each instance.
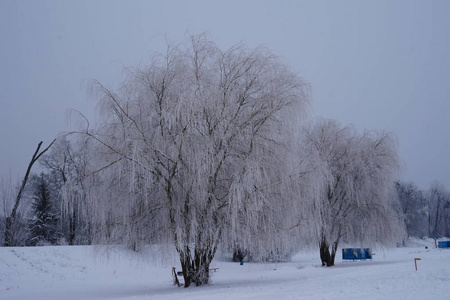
(192, 145)
(354, 181)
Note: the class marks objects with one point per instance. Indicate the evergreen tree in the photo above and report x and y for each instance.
(43, 224)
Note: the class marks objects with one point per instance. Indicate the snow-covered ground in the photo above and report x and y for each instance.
(116, 273)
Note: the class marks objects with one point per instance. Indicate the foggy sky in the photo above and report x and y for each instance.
(380, 65)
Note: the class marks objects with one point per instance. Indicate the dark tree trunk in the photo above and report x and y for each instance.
(333, 252)
(89, 232)
(325, 253)
(72, 227)
(196, 269)
(327, 258)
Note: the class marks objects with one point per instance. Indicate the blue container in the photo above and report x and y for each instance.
(445, 244)
(356, 254)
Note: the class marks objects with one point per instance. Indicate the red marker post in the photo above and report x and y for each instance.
(415, 262)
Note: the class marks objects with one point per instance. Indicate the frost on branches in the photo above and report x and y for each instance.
(193, 148)
(354, 191)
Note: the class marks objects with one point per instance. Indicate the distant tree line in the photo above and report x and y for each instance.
(206, 149)
(423, 211)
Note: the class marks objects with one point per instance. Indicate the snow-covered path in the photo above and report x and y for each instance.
(84, 273)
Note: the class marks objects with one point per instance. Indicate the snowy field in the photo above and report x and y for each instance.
(116, 273)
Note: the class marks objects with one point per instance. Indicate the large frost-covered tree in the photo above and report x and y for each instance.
(192, 149)
(354, 180)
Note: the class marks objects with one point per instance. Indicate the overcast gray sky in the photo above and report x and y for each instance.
(381, 65)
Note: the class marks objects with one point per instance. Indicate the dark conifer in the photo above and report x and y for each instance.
(43, 224)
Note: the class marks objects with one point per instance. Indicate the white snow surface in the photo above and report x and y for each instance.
(87, 272)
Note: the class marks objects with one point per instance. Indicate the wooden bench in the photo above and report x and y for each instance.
(180, 273)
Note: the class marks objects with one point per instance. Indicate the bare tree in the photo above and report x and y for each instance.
(69, 160)
(413, 205)
(354, 183)
(7, 194)
(438, 198)
(189, 145)
(9, 237)
(447, 218)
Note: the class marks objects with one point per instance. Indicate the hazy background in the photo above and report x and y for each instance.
(376, 64)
